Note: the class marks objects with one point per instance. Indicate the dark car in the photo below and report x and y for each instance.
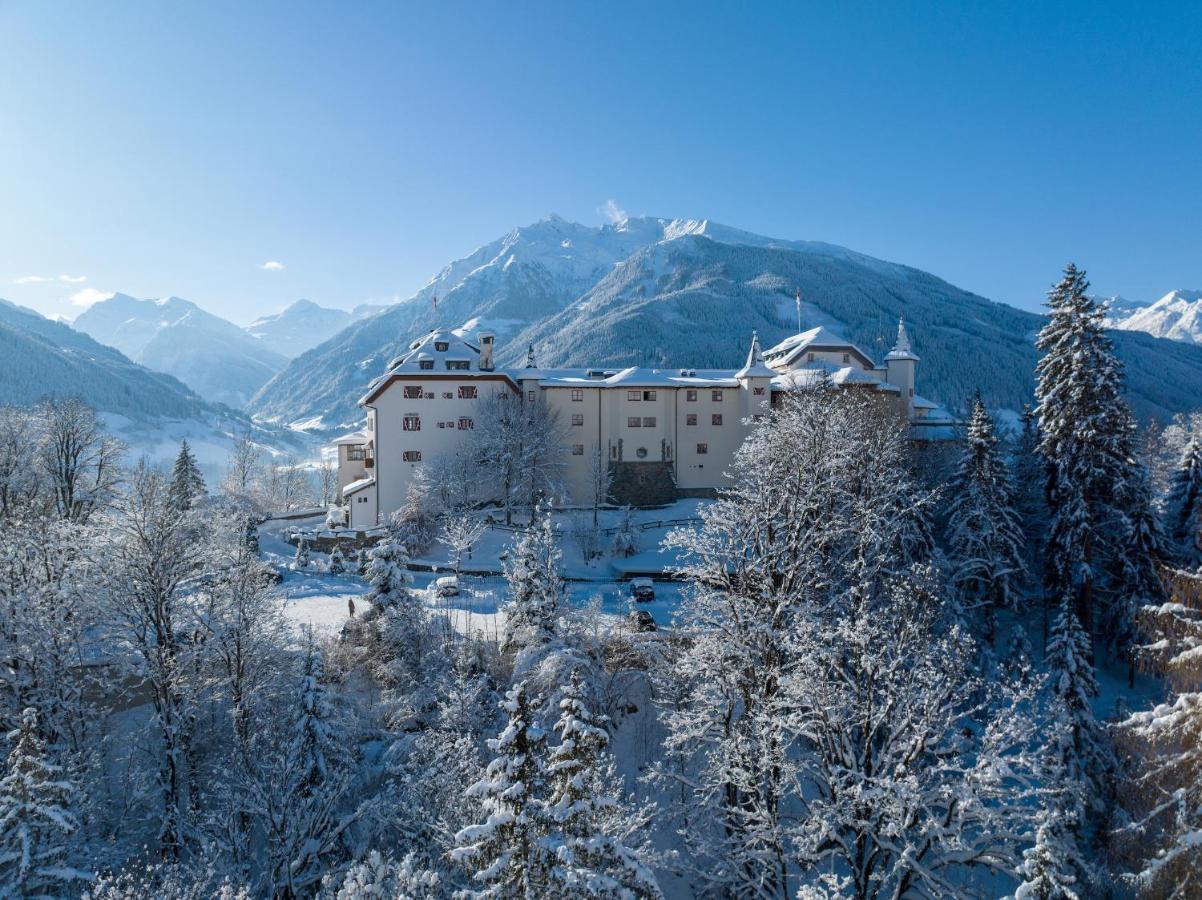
(642, 590)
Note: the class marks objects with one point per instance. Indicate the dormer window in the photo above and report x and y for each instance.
(425, 364)
(458, 364)
(442, 346)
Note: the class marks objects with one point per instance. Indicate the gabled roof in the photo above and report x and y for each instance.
(812, 374)
(355, 437)
(791, 349)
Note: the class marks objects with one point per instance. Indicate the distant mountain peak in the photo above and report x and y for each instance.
(1176, 316)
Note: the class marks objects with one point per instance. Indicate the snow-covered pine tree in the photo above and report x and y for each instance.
(1082, 752)
(1163, 749)
(1049, 868)
(187, 484)
(1184, 505)
(1135, 568)
(375, 877)
(386, 573)
(337, 561)
(1086, 435)
(506, 854)
(36, 819)
(984, 537)
(535, 585)
(584, 809)
(300, 561)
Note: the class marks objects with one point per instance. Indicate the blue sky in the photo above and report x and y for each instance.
(175, 149)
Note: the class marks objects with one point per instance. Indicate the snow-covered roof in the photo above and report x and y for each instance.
(356, 486)
(901, 349)
(355, 437)
(790, 349)
(808, 377)
(755, 367)
(924, 403)
(634, 376)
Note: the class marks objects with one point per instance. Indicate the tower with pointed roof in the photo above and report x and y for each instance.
(900, 364)
(755, 378)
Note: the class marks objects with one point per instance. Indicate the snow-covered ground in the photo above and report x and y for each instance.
(325, 601)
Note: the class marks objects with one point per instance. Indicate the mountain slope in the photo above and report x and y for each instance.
(214, 357)
(150, 411)
(1176, 316)
(685, 292)
(303, 325)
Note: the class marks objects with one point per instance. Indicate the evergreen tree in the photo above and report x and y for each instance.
(1136, 567)
(386, 573)
(984, 537)
(35, 818)
(1184, 505)
(591, 858)
(1080, 748)
(1085, 437)
(535, 586)
(337, 561)
(1048, 870)
(301, 560)
(187, 484)
(1029, 479)
(505, 853)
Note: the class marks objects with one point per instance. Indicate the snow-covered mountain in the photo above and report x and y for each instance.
(149, 410)
(1176, 316)
(211, 355)
(304, 325)
(689, 292)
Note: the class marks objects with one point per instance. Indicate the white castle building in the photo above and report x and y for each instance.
(666, 433)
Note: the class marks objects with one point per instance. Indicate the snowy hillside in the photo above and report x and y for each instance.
(214, 357)
(304, 325)
(148, 410)
(689, 292)
(1176, 316)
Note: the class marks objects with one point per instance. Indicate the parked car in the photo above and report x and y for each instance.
(642, 620)
(447, 586)
(642, 589)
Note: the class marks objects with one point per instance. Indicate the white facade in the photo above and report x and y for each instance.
(657, 429)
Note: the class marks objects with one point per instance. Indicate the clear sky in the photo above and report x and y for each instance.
(171, 148)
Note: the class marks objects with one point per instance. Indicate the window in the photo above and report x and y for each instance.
(467, 392)
(691, 419)
(703, 449)
(441, 346)
(648, 421)
(411, 423)
(413, 392)
(442, 424)
(811, 357)
(447, 395)
(425, 364)
(412, 456)
(577, 418)
(716, 396)
(757, 391)
(530, 395)
(466, 424)
(634, 395)
(356, 452)
(716, 419)
(847, 357)
(458, 364)
(429, 396)
(690, 395)
(577, 395)
(648, 395)
(578, 449)
(634, 422)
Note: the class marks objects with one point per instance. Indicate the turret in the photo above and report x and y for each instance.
(900, 366)
(755, 378)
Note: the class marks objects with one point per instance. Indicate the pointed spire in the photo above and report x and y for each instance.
(530, 356)
(901, 349)
(755, 361)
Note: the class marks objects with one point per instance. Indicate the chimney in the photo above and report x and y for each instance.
(486, 342)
